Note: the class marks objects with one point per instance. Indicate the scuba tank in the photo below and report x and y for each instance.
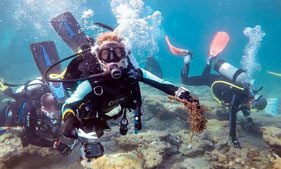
(231, 72)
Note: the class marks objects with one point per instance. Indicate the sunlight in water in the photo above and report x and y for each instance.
(38, 13)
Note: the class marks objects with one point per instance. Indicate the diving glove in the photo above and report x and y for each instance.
(234, 142)
(70, 123)
(24, 141)
(137, 120)
(64, 149)
(183, 93)
(250, 126)
(93, 150)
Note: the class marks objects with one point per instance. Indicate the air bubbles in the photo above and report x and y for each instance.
(249, 61)
(87, 14)
(139, 25)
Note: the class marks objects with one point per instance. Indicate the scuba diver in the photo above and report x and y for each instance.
(152, 65)
(102, 76)
(92, 99)
(33, 107)
(229, 87)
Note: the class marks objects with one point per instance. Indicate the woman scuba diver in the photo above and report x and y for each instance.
(229, 87)
(93, 98)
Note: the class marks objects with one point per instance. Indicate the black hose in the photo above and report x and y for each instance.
(104, 26)
(94, 76)
(21, 84)
(12, 85)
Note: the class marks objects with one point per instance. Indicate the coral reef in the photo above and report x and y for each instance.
(150, 146)
(272, 136)
(12, 154)
(114, 161)
(277, 163)
(165, 142)
(10, 147)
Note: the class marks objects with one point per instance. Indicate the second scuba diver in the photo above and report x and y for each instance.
(34, 108)
(229, 87)
(94, 98)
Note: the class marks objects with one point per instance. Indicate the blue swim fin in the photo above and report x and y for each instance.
(45, 55)
(70, 31)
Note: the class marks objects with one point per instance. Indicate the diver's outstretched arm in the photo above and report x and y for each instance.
(70, 106)
(76, 98)
(250, 125)
(158, 83)
(165, 86)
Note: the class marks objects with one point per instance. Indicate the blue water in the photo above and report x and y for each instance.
(189, 24)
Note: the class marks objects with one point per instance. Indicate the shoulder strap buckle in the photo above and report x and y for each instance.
(98, 90)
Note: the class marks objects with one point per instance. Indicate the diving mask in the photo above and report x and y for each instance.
(112, 57)
(111, 53)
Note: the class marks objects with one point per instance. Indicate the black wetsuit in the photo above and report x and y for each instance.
(91, 100)
(25, 111)
(236, 99)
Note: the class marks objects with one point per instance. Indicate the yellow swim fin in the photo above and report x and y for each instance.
(2, 85)
(274, 73)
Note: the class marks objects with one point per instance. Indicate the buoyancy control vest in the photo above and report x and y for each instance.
(106, 93)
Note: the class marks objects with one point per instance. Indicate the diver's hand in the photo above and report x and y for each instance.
(137, 120)
(70, 124)
(250, 125)
(138, 124)
(249, 119)
(24, 141)
(235, 143)
(64, 149)
(183, 93)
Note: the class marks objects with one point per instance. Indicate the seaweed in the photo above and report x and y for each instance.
(195, 112)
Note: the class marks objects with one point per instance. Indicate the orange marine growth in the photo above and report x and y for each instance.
(196, 118)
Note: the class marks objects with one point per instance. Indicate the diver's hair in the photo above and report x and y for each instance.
(48, 100)
(108, 36)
